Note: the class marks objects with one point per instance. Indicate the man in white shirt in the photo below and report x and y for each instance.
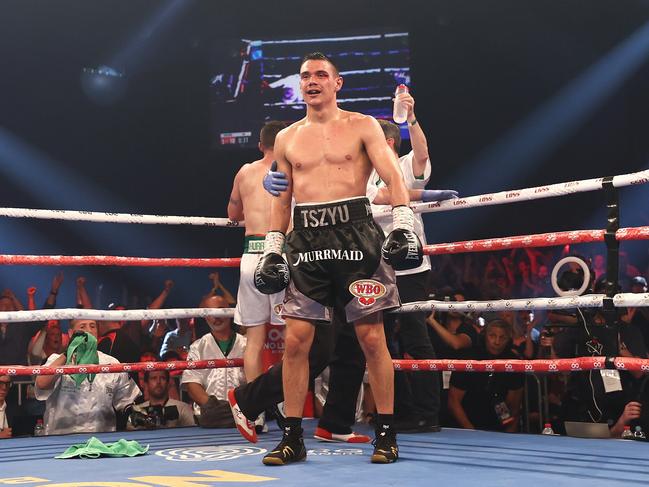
(416, 404)
(5, 385)
(208, 388)
(90, 406)
(160, 411)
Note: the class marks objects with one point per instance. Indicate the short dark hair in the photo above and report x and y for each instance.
(503, 325)
(146, 374)
(318, 56)
(392, 130)
(268, 133)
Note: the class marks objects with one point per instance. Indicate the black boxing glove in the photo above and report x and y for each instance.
(271, 274)
(402, 247)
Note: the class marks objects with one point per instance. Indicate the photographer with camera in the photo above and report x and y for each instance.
(451, 333)
(598, 395)
(159, 411)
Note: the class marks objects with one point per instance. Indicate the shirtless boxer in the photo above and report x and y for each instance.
(334, 252)
(249, 202)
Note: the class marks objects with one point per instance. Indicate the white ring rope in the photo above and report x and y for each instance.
(112, 315)
(516, 195)
(555, 273)
(93, 216)
(503, 197)
(588, 301)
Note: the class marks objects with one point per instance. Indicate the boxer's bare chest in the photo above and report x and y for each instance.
(332, 144)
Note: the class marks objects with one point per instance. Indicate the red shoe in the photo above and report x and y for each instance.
(244, 425)
(353, 437)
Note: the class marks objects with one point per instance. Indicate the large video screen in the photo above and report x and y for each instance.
(253, 81)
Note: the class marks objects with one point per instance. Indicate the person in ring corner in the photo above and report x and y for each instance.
(83, 403)
(488, 401)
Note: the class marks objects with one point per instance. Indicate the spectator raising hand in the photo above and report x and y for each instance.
(218, 286)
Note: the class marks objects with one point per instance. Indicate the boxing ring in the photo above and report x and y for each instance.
(195, 457)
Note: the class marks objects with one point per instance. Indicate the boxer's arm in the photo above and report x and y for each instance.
(235, 205)
(383, 160)
(280, 208)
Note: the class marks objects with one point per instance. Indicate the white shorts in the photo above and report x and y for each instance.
(254, 308)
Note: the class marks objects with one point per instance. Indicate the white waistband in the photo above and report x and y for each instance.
(320, 203)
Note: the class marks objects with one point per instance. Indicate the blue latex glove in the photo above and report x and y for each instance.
(275, 181)
(428, 195)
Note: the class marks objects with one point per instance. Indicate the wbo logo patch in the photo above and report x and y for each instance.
(367, 291)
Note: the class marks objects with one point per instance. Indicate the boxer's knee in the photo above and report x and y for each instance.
(372, 339)
(297, 340)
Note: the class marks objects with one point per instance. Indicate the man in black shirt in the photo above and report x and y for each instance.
(600, 396)
(488, 401)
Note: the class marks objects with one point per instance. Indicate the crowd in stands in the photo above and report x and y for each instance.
(106, 402)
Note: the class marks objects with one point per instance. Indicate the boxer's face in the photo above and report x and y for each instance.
(319, 82)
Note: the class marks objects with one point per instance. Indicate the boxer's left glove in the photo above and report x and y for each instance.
(271, 274)
(402, 248)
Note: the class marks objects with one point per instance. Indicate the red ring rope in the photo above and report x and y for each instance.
(538, 240)
(548, 366)
(484, 245)
(21, 370)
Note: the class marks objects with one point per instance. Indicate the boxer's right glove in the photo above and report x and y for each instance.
(275, 181)
(271, 274)
(402, 247)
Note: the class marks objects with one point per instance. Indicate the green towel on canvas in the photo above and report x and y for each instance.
(94, 448)
(82, 350)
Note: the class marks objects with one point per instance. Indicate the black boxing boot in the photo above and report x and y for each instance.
(272, 274)
(402, 248)
(291, 449)
(385, 442)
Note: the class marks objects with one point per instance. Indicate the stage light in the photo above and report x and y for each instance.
(103, 85)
